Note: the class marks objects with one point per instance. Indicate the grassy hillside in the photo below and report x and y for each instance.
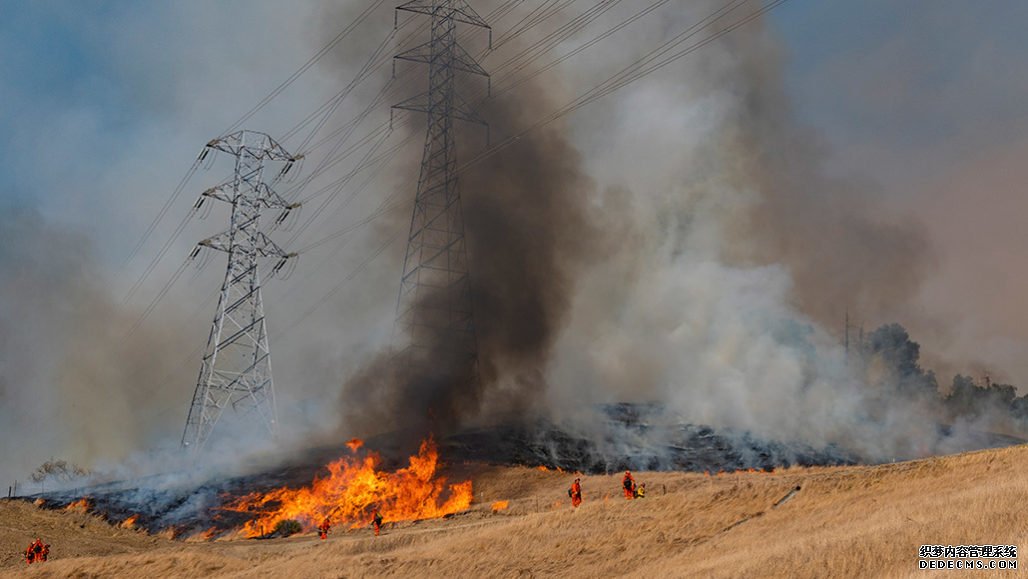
(850, 521)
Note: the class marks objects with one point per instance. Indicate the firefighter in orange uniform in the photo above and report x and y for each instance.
(37, 552)
(629, 485)
(575, 492)
(376, 520)
(323, 529)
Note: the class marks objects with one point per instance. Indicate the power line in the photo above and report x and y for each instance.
(605, 34)
(160, 254)
(350, 228)
(329, 105)
(634, 71)
(306, 66)
(654, 61)
(532, 18)
(342, 183)
(563, 32)
(160, 295)
(333, 101)
(349, 276)
(164, 210)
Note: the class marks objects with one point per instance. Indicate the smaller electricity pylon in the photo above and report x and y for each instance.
(236, 367)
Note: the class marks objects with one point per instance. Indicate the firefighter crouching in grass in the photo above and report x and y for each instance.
(640, 491)
(575, 492)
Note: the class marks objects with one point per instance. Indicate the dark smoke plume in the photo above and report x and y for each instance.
(529, 234)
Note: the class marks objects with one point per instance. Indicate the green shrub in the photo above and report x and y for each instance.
(287, 527)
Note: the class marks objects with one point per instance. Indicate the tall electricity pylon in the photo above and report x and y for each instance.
(236, 367)
(434, 305)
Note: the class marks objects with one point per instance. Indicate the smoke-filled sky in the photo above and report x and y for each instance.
(831, 156)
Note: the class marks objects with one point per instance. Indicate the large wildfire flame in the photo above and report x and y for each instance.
(353, 488)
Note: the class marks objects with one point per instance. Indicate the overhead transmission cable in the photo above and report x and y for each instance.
(306, 66)
(585, 46)
(368, 161)
(552, 38)
(557, 36)
(164, 210)
(530, 20)
(638, 69)
(261, 104)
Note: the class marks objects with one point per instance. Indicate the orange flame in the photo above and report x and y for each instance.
(542, 468)
(500, 506)
(82, 505)
(353, 488)
(354, 444)
(129, 523)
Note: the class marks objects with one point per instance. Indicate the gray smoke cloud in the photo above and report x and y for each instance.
(73, 383)
(741, 252)
(684, 244)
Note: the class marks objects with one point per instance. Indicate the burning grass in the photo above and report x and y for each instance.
(82, 505)
(857, 521)
(354, 487)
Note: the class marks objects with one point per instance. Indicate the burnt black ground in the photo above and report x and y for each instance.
(635, 437)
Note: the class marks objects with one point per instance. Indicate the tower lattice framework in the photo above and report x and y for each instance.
(434, 307)
(236, 368)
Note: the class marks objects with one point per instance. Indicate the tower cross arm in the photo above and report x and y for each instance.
(252, 144)
(463, 111)
(465, 62)
(221, 192)
(420, 53)
(458, 10)
(220, 242)
(269, 198)
(268, 248)
(461, 61)
(418, 104)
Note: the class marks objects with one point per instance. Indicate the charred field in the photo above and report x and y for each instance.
(637, 437)
(795, 521)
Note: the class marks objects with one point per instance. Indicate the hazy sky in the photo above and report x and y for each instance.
(928, 100)
(105, 104)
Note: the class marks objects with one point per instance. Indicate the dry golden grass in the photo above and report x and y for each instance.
(844, 522)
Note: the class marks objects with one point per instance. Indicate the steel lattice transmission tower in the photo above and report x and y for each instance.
(434, 305)
(236, 367)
